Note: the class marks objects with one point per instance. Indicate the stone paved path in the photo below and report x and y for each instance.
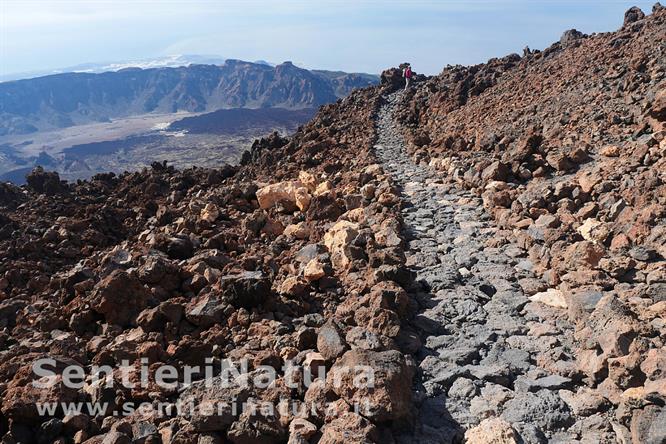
(482, 342)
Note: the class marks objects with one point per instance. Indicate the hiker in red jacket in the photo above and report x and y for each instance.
(407, 74)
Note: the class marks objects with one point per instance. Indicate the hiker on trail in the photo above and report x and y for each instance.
(407, 74)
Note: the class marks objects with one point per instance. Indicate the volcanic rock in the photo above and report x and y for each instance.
(491, 431)
(44, 182)
(119, 298)
(389, 397)
(247, 289)
(293, 194)
(633, 14)
(349, 427)
(337, 240)
(330, 341)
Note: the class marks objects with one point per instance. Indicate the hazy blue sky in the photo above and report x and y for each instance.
(353, 35)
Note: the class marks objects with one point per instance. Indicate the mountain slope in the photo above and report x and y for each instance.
(502, 277)
(76, 98)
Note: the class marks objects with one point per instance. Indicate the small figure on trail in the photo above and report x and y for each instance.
(407, 74)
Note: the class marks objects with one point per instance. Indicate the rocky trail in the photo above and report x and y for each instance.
(477, 241)
(489, 352)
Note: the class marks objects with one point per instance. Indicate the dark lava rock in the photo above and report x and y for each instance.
(633, 14)
(247, 289)
(45, 182)
(543, 409)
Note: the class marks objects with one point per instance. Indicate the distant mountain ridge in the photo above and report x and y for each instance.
(69, 99)
(169, 61)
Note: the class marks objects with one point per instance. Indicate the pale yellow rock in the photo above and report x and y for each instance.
(292, 286)
(441, 164)
(633, 393)
(552, 297)
(340, 234)
(210, 213)
(497, 185)
(448, 165)
(314, 270)
(289, 191)
(271, 194)
(302, 198)
(337, 238)
(610, 151)
(298, 231)
(491, 431)
(308, 179)
(594, 231)
(374, 169)
(355, 215)
(324, 188)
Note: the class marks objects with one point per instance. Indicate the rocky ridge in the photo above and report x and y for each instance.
(566, 149)
(492, 305)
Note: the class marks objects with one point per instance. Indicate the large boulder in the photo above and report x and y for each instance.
(491, 431)
(385, 395)
(612, 326)
(247, 289)
(648, 425)
(300, 431)
(253, 427)
(496, 171)
(330, 341)
(581, 255)
(290, 194)
(205, 310)
(544, 409)
(223, 396)
(571, 36)
(337, 240)
(654, 364)
(19, 402)
(120, 297)
(633, 14)
(44, 182)
(348, 428)
(392, 78)
(157, 269)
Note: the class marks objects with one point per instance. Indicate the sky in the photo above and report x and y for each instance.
(349, 35)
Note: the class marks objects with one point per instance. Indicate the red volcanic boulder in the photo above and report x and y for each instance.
(120, 297)
(388, 393)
